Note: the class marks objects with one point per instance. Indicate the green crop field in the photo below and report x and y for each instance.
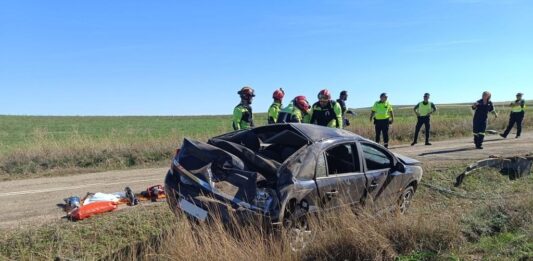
(45, 144)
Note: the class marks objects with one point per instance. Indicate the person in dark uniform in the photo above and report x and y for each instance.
(276, 106)
(343, 97)
(326, 112)
(517, 116)
(482, 109)
(423, 111)
(242, 114)
(383, 117)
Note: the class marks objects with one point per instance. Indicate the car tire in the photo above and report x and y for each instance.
(404, 202)
(298, 229)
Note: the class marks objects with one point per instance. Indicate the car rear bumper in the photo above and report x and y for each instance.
(202, 207)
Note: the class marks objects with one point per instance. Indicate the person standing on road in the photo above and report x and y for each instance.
(343, 97)
(517, 116)
(383, 117)
(276, 106)
(423, 111)
(326, 112)
(297, 111)
(242, 114)
(482, 109)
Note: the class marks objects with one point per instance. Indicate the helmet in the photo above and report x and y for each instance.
(301, 103)
(278, 94)
(324, 94)
(246, 93)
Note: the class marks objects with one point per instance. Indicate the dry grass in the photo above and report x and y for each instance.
(492, 223)
(339, 236)
(82, 156)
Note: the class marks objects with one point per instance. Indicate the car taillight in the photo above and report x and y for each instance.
(175, 159)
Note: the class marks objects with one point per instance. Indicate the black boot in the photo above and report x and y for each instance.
(480, 142)
(476, 141)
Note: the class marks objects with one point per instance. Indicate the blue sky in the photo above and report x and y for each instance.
(191, 57)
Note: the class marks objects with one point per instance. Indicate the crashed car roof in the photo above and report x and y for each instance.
(317, 133)
(307, 133)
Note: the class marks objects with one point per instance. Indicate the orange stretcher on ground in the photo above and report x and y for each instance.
(92, 209)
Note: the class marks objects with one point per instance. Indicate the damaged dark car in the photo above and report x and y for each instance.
(283, 172)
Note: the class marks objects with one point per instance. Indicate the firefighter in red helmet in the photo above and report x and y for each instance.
(276, 106)
(242, 114)
(297, 111)
(326, 112)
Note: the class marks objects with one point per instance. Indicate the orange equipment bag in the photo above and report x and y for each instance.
(95, 208)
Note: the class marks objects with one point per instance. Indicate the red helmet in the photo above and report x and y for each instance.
(324, 94)
(301, 103)
(278, 94)
(246, 93)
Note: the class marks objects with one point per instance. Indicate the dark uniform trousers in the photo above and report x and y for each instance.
(422, 120)
(480, 126)
(516, 117)
(382, 127)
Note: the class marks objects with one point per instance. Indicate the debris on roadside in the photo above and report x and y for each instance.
(98, 203)
(513, 167)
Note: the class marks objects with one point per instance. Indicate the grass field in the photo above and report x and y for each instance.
(488, 218)
(31, 146)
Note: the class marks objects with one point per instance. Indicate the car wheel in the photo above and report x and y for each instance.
(405, 199)
(298, 230)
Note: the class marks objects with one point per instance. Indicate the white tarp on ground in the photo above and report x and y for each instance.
(99, 197)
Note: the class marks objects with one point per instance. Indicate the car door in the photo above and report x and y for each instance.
(378, 164)
(339, 177)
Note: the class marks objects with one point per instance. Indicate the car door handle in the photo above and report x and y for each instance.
(332, 193)
(373, 185)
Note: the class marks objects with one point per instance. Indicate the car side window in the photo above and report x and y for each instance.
(375, 158)
(321, 170)
(340, 159)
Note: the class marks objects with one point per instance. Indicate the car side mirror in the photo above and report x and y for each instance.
(399, 167)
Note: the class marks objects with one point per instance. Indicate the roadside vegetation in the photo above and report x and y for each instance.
(34, 146)
(488, 218)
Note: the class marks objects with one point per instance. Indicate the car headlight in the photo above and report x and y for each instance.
(263, 199)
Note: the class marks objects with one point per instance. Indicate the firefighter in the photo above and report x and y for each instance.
(326, 112)
(276, 106)
(482, 109)
(242, 114)
(517, 116)
(423, 111)
(297, 111)
(383, 116)
(343, 97)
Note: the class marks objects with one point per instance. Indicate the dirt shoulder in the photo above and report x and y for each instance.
(31, 202)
